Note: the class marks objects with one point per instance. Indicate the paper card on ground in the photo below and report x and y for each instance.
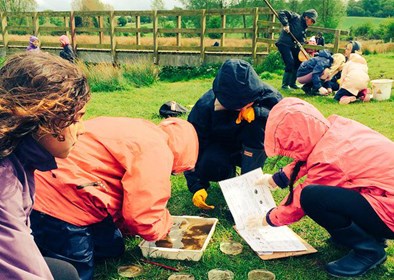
(249, 203)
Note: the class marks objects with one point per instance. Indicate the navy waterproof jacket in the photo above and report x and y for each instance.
(68, 53)
(297, 25)
(316, 66)
(235, 86)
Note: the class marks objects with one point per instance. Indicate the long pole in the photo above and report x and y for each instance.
(302, 50)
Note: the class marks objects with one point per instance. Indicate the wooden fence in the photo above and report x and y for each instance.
(260, 26)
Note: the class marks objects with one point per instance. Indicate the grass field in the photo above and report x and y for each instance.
(145, 102)
(347, 22)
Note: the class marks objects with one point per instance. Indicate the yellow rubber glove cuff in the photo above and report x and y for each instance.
(246, 114)
(199, 200)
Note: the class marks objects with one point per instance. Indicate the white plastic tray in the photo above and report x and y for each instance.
(150, 249)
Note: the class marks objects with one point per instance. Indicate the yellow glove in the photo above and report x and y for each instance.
(199, 200)
(246, 114)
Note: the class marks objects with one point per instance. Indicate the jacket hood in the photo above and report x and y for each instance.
(236, 84)
(64, 40)
(337, 64)
(294, 127)
(183, 142)
(325, 54)
(32, 39)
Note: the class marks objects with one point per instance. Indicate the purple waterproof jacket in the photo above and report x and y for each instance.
(31, 46)
(20, 258)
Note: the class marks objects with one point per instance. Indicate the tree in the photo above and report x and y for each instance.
(330, 11)
(122, 21)
(90, 5)
(205, 4)
(371, 7)
(18, 6)
(355, 8)
(158, 5)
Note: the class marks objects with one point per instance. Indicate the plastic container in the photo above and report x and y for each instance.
(192, 229)
(381, 89)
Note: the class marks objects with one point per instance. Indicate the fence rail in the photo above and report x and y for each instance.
(258, 27)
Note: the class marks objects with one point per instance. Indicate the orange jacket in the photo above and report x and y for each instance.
(120, 167)
(337, 151)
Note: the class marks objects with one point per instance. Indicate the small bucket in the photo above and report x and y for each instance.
(381, 89)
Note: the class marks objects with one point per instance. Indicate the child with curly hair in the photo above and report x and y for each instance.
(42, 101)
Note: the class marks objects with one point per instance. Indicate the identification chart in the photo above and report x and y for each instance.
(249, 202)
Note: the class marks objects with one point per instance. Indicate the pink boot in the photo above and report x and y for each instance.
(365, 95)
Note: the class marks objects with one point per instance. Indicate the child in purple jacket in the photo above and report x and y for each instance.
(34, 44)
(42, 100)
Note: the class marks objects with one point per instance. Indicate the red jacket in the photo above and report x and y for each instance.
(120, 167)
(338, 152)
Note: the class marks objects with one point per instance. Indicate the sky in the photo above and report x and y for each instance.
(65, 5)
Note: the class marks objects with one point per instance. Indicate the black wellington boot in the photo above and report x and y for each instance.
(292, 80)
(252, 159)
(285, 80)
(366, 252)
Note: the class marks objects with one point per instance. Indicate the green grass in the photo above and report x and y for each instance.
(347, 22)
(145, 103)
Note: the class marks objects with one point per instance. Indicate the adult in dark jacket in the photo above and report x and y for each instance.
(297, 25)
(319, 39)
(230, 122)
(67, 52)
(314, 71)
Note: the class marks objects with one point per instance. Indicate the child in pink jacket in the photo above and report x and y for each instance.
(115, 183)
(348, 188)
(354, 78)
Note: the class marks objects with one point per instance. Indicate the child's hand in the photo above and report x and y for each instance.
(266, 180)
(323, 91)
(286, 28)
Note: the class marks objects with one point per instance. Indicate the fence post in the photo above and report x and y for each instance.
(101, 33)
(36, 25)
(222, 39)
(155, 38)
(255, 34)
(138, 34)
(179, 26)
(337, 39)
(73, 33)
(66, 25)
(112, 36)
(4, 30)
(202, 35)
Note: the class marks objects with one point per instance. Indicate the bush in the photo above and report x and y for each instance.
(364, 30)
(214, 22)
(272, 63)
(141, 73)
(388, 31)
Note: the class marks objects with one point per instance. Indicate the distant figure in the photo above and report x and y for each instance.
(67, 52)
(34, 44)
(311, 52)
(216, 44)
(319, 39)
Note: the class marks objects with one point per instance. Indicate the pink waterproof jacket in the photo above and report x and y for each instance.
(337, 151)
(121, 167)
